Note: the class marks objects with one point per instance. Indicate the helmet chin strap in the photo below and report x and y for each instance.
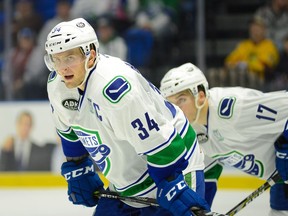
(87, 70)
(199, 108)
(196, 126)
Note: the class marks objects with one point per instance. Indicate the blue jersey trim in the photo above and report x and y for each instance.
(185, 127)
(146, 192)
(160, 173)
(73, 149)
(161, 145)
(192, 150)
(137, 181)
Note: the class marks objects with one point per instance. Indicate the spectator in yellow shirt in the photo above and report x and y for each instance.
(254, 59)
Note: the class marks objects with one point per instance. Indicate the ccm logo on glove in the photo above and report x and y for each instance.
(173, 191)
(282, 155)
(78, 172)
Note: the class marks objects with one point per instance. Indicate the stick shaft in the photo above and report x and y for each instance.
(115, 195)
(147, 201)
(271, 181)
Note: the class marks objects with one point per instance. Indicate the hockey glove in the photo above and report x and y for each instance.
(82, 182)
(281, 146)
(178, 198)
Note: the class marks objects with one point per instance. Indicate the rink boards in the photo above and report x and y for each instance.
(47, 179)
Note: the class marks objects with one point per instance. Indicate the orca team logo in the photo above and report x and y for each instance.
(225, 109)
(98, 151)
(247, 163)
(70, 104)
(116, 89)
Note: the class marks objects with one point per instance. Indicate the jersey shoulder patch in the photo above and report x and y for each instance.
(226, 106)
(52, 76)
(115, 90)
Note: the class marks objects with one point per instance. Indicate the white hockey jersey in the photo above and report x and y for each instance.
(121, 119)
(243, 125)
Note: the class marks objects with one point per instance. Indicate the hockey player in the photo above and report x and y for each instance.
(104, 108)
(236, 126)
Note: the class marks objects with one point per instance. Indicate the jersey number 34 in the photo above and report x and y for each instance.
(145, 128)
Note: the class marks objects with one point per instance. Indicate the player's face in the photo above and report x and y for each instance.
(186, 101)
(257, 32)
(24, 126)
(70, 65)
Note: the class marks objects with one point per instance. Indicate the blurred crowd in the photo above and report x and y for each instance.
(259, 61)
(145, 33)
(137, 31)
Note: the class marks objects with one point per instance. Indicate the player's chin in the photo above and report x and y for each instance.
(70, 85)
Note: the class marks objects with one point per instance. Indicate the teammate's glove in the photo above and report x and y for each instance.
(82, 182)
(281, 146)
(178, 198)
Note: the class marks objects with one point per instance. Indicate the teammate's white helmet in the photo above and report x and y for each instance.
(69, 35)
(186, 76)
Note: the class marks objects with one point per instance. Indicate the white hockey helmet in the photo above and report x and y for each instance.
(186, 76)
(69, 35)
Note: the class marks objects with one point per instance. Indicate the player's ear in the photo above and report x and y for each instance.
(201, 97)
(92, 58)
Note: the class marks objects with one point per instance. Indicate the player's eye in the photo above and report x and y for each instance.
(55, 60)
(180, 101)
(70, 59)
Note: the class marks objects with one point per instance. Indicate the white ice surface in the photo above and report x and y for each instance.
(54, 202)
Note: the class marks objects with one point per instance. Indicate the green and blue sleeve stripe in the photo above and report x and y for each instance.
(168, 161)
(71, 145)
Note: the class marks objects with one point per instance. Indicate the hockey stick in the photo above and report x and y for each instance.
(270, 182)
(147, 201)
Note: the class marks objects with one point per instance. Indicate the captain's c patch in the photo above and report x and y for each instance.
(226, 105)
(116, 89)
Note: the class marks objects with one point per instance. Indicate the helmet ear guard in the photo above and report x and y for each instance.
(48, 62)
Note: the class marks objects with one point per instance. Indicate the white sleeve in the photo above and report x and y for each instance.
(266, 113)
